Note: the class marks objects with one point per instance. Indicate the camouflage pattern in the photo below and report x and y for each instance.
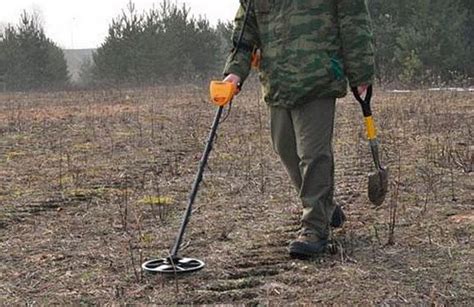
(309, 48)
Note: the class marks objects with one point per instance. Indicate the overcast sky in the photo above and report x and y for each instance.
(84, 23)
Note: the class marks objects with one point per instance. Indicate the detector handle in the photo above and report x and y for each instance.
(222, 92)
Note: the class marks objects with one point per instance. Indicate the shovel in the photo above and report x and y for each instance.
(378, 180)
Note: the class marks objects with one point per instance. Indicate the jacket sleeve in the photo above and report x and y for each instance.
(357, 41)
(239, 60)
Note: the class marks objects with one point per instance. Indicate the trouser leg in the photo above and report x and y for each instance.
(302, 137)
(284, 143)
(314, 124)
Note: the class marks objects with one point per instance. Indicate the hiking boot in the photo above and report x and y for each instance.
(307, 245)
(338, 217)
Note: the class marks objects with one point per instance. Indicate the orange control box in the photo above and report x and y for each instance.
(222, 92)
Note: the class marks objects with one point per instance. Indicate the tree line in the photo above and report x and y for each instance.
(418, 42)
(423, 42)
(164, 44)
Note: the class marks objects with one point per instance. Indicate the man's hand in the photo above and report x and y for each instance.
(361, 89)
(235, 80)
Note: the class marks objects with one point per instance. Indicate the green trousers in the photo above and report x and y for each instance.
(302, 137)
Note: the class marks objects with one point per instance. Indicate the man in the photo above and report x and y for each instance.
(309, 50)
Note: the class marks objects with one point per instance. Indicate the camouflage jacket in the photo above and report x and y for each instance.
(309, 48)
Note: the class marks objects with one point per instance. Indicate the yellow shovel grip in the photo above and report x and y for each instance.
(370, 126)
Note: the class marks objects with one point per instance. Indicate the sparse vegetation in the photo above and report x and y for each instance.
(93, 183)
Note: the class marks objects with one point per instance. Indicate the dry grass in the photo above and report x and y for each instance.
(75, 169)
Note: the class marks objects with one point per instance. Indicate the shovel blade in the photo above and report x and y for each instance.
(378, 186)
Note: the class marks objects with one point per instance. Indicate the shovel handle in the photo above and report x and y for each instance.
(364, 102)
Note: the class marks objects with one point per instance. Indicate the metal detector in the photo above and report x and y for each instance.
(221, 94)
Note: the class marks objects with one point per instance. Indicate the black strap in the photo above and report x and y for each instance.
(240, 44)
(243, 46)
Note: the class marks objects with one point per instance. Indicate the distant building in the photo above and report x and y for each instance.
(75, 58)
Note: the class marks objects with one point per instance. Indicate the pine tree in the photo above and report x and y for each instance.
(422, 41)
(28, 59)
(164, 44)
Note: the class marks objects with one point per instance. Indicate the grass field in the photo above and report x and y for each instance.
(94, 183)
